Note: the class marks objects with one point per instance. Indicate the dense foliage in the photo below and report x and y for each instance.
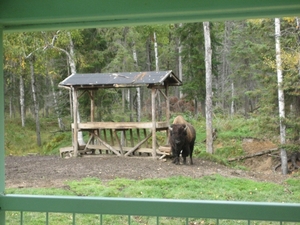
(244, 70)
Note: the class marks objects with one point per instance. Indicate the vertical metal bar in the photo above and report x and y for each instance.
(47, 218)
(129, 221)
(2, 151)
(157, 220)
(249, 222)
(74, 219)
(217, 222)
(187, 221)
(101, 219)
(21, 218)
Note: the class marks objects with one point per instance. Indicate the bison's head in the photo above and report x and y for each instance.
(178, 133)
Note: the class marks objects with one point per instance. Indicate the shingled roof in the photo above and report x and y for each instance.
(122, 79)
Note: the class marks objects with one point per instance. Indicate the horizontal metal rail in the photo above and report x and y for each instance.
(285, 212)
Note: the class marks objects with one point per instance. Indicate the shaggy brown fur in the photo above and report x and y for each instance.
(190, 129)
(182, 139)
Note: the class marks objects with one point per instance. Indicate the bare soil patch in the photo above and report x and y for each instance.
(53, 171)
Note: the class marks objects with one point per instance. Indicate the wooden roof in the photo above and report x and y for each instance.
(122, 79)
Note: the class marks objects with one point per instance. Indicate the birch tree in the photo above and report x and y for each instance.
(283, 154)
(71, 61)
(208, 77)
(35, 102)
(138, 89)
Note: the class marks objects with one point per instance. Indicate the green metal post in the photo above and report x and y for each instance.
(2, 153)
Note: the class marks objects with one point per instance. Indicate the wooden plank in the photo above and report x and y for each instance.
(145, 135)
(103, 147)
(131, 137)
(75, 128)
(108, 146)
(138, 145)
(111, 137)
(118, 140)
(125, 149)
(65, 150)
(153, 94)
(121, 125)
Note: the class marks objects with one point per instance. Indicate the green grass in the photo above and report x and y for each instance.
(214, 187)
(21, 141)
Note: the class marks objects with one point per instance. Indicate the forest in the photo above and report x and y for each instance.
(244, 72)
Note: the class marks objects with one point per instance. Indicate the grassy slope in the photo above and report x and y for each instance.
(20, 141)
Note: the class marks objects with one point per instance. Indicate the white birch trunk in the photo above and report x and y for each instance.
(208, 77)
(155, 52)
(72, 55)
(232, 100)
(138, 89)
(180, 62)
(22, 101)
(159, 114)
(284, 166)
(72, 63)
(59, 119)
(36, 105)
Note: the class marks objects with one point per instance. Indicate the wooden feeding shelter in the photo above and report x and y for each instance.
(105, 136)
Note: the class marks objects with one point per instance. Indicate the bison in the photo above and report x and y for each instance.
(182, 139)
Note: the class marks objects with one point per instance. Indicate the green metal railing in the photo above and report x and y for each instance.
(186, 209)
(229, 210)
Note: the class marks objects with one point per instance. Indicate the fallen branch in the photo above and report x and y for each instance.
(253, 155)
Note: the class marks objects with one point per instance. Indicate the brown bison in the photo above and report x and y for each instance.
(182, 139)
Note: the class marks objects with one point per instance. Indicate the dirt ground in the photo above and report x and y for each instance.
(53, 171)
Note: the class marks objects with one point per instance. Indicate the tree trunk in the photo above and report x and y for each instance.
(283, 154)
(208, 77)
(35, 104)
(72, 63)
(138, 89)
(72, 55)
(159, 114)
(148, 49)
(232, 100)
(225, 71)
(22, 100)
(59, 119)
(155, 52)
(180, 62)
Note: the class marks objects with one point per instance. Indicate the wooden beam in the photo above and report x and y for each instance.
(119, 142)
(92, 105)
(138, 145)
(121, 125)
(108, 146)
(153, 94)
(75, 127)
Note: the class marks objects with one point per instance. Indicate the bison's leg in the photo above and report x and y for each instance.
(185, 153)
(191, 151)
(175, 156)
(191, 159)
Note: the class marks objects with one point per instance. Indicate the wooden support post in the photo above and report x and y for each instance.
(119, 142)
(167, 112)
(167, 103)
(153, 90)
(131, 137)
(75, 129)
(92, 106)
